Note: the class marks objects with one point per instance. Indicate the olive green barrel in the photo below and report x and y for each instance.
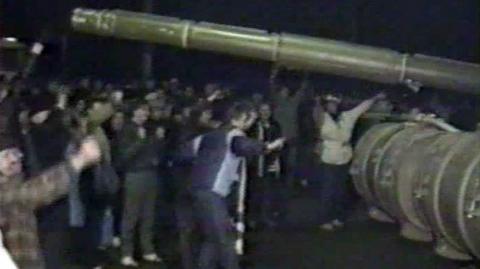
(294, 51)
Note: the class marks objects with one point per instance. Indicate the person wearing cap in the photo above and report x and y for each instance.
(20, 198)
(334, 152)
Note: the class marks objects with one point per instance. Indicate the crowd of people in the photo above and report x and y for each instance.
(162, 148)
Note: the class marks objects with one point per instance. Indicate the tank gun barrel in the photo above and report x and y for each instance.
(290, 50)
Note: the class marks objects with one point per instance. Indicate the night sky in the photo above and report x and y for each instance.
(444, 28)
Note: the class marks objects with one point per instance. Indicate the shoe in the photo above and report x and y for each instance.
(338, 224)
(152, 258)
(128, 261)
(327, 227)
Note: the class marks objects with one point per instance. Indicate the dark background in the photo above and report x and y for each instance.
(443, 28)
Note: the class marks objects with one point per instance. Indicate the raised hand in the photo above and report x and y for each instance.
(88, 153)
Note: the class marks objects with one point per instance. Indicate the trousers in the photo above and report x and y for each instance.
(217, 247)
(140, 196)
(330, 189)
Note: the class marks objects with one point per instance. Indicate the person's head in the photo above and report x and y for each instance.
(284, 91)
(415, 111)
(160, 132)
(23, 118)
(186, 112)
(11, 162)
(140, 113)
(174, 84)
(85, 83)
(227, 91)
(80, 106)
(53, 86)
(40, 107)
(265, 111)
(118, 120)
(384, 106)
(109, 87)
(332, 104)
(239, 116)
(94, 104)
(206, 115)
(150, 84)
(257, 98)
(78, 126)
(96, 107)
(156, 113)
(177, 114)
(117, 97)
(210, 88)
(98, 85)
(40, 116)
(3, 91)
(161, 93)
(189, 91)
(166, 111)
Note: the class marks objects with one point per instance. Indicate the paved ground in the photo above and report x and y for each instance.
(363, 244)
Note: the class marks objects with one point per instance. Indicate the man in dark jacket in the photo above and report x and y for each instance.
(218, 156)
(139, 153)
(267, 188)
(46, 144)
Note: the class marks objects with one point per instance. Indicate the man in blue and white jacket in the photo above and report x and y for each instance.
(218, 158)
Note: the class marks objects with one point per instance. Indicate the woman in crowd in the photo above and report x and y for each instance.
(334, 154)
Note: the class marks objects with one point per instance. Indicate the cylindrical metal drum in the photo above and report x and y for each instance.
(467, 207)
(427, 180)
(364, 161)
(394, 183)
(439, 190)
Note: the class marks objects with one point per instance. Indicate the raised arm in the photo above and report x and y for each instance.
(273, 83)
(364, 106)
(53, 183)
(247, 147)
(305, 91)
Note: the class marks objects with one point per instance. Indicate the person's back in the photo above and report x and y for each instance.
(213, 159)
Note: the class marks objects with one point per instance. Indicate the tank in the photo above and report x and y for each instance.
(290, 50)
(427, 180)
(366, 157)
(394, 191)
(440, 195)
